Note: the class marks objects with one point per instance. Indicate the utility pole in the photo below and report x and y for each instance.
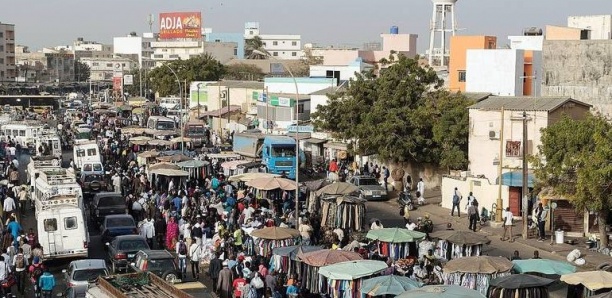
(266, 99)
(228, 112)
(525, 174)
(499, 203)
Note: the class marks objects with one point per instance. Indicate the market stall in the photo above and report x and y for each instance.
(230, 167)
(198, 169)
(344, 279)
(396, 243)
(475, 272)
(163, 175)
(336, 188)
(264, 241)
(285, 259)
(439, 291)
(147, 157)
(543, 266)
(586, 284)
(347, 212)
(457, 244)
(519, 285)
(388, 285)
(246, 177)
(175, 158)
(312, 261)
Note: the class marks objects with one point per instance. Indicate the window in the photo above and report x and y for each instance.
(217, 40)
(123, 64)
(293, 54)
(1, 34)
(158, 56)
(1, 48)
(22, 133)
(462, 76)
(91, 152)
(251, 32)
(275, 54)
(109, 65)
(301, 108)
(513, 149)
(294, 43)
(50, 225)
(235, 52)
(15, 132)
(95, 64)
(275, 43)
(174, 56)
(70, 223)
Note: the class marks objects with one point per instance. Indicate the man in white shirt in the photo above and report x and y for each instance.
(117, 182)
(8, 207)
(507, 215)
(421, 187)
(147, 230)
(195, 251)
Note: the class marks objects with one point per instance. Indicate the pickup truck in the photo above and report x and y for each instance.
(106, 203)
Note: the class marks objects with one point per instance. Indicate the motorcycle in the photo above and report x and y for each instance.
(405, 199)
(425, 226)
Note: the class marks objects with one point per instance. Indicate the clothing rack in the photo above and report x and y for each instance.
(345, 215)
(344, 288)
(451, 251)
(474, 281)
(537, 292)
(396, 250)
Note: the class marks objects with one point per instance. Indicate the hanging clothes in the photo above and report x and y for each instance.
(346, 215)
(394, 250)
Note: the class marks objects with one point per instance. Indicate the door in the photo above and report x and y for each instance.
(515, 200)
(71, 230)
(50, 237)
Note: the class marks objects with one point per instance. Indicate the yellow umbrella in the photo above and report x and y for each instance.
(593, 280)
(272, 183)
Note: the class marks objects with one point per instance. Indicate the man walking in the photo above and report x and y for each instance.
(421, 187)
(507, 215)
(456, 201)
(47, 283)
(472, 212)
(541, 214)
(386, 175)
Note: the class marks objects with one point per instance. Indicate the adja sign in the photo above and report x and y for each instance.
(180, 25)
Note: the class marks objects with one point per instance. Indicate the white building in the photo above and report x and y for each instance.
(340, 72)
(8, 70)
(102, 69)
(498, 71)
(599, 26)
(527, 43)
(164, 51)
(139, 46)
(280, 46)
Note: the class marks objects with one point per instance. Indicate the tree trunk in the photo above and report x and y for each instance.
(602, 218)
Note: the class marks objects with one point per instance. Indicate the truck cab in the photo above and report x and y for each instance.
(197, 132)
(277, 153)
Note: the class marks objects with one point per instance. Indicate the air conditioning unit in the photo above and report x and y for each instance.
(493, 135)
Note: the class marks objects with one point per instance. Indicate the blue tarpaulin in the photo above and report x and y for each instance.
(515, 179)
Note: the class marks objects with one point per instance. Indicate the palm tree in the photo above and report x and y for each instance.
(254, 48)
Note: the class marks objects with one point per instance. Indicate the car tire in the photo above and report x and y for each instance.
(170, 277)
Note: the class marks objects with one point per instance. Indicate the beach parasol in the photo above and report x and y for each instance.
(192, 163)
(543, 266)
(395, 235)
(174, 158)
(275, 233)
(481, 264)
(164, 165)
(352, 269)
(293, 251)
(593, 280)
(246, 177)
(439, 291)
(272, 183)
(388, 285)
(461, 237)
(327, 257)
(520, 281)
(338, 188)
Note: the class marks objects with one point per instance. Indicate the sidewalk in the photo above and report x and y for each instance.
(441, 216)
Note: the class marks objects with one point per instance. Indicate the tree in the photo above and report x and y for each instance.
(81, 71)
(574, 161)
(201, 68)
(243, 72)
(254, 49)
(392, 116)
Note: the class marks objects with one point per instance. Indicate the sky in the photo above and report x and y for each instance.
(43, 23)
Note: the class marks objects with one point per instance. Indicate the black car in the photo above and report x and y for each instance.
(117, 225)
(159, 262)
(122, 251)
(106, 203)
(92, 184)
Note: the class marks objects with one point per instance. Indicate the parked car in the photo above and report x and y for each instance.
(122, 251)
(117, 225)
(369, 188)
(92, 184)
(159, 262)
(80, 272)
(106, 203)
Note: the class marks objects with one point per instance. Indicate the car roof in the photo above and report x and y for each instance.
(119, 216)
(130, 237)
(88, 263)
(157, 254)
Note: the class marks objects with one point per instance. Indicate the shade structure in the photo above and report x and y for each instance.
(520, 281)
(326, 257)
(246, 177)
(232, 164)
(170, 172)
(593, 280)
(180, 139)
(132, 130)
(603, 295)
(293, 251)
(159, 143)
(275, 233)
(352, 269)
(149, 154)
(439, 291)
(140, 140)
(461, 237)
(544, 266)
(388, 285)
(481, 264)
(164, 166)
(338, 188)
(272, 183)
(192, 163)
(395, 235)
(174, 158)
(515, 179)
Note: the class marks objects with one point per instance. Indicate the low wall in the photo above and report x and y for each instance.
(486, 193)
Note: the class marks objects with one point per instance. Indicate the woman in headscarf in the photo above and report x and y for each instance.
(172, 232)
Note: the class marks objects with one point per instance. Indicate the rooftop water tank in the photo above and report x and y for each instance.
(394, 30)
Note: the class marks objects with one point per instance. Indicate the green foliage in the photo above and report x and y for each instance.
(243, 72)
(402, 116)
(201, 68)
(81, 71)
(254, 49)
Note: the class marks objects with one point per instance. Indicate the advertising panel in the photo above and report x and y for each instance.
(128, 80)
(117, 83)
(180, 25)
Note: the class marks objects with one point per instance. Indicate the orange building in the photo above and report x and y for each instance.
(459, 45)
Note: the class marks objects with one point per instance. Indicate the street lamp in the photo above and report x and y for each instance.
(297, 141)
(178, 81)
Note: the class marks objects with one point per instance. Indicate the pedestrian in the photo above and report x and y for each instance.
(421, 187)
(507, 224)
(515, 256)
(470, 199)
(147, 230)
(36, 270)
(20, 265)
(536, 254)
(386, 175)
(225, 283)
(47, 283)
(4, 273)
(214, 268)
(456, 202)
(8, 207)
(541, 214)
(472, 212)
(306, 232)
(195, 251)
(181, 251)
(23, 199)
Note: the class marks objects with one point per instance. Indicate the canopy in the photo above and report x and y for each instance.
(293, 251)
(481, 264)
(338, 188)
(593, 280)
(520, 281)
(461, 237)
(180, 140)
(233, 163)
(275, 233)
(140, 140)
(170, 172)
(327, 257)
(544, 266)
(272, 183)
(132, 130)
(388, 285)
(395, 235)
(149, 154)
(440, 291)
(174, 158)
(603, 295)
(164, 166)
(159, 143)
(246, 177)
(515, 179)
(345, 199)
(352, 269)
(192, 163)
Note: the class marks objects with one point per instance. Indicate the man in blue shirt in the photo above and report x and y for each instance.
(13, 227)
(46, 283)
(177, 201)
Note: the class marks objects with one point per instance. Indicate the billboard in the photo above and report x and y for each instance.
(117, 84)
(128, 80)
(180, 25)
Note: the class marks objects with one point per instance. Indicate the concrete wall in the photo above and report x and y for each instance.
(579, 69)
(222, 51)
(485, 192)
(529, 43)
(495, 71)
(346, 72)
(237, 96)
(562, 33)
(599, 25)
(304, 85)
(228, 37)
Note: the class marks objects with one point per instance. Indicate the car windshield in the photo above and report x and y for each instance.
(120, 222)
(83, 275)
(132, 245)
(195, 130)
(165, 125)
(111, 201)
(367, 181)
(161, 264)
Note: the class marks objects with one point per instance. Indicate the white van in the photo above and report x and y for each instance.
(38, 163)
(24, 133)
(86, 151)
(48, 143)
(169, 102)
(53, 182)
(62, 231)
